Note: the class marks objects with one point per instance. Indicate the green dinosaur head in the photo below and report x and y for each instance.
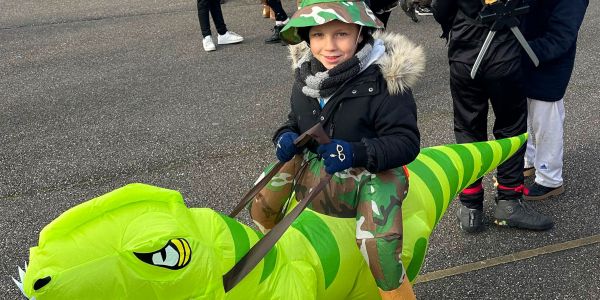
(122, 246)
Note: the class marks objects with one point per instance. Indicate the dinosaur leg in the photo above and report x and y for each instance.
(266, 208)
(379, 230)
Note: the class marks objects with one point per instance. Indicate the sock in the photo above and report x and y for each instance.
(281, 23)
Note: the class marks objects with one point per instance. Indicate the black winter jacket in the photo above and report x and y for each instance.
(551, 28)
(466, 35)
(375, 111)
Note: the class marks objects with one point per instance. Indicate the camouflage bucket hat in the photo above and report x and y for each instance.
(317, 12)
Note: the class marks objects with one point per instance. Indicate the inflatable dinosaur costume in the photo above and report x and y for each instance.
(142, 242)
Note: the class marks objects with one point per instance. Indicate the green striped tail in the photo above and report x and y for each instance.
(436, 176)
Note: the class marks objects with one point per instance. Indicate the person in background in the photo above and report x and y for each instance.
(382, 9)
(213, 8)
(551, 30)
(498, 82)
(281, 18)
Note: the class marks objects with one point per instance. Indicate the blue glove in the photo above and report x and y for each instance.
(285, 146)
(337, 156)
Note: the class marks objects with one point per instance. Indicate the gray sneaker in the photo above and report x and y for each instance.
(470, 219)
(515, 213)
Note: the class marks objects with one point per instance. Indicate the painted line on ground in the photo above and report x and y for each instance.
(501, 260)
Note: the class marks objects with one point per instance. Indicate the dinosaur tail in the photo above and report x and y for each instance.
(437, 175)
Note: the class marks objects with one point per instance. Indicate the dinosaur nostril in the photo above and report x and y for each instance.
(40, 283)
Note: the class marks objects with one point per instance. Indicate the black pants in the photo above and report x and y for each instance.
(379, 8)
(384, 17)
(280, 14)
(214, 7)
(501, 85)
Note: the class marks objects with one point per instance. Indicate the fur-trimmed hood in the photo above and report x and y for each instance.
(401, 65)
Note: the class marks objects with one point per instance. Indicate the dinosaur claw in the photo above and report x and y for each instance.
(21, 274)
(19, 284)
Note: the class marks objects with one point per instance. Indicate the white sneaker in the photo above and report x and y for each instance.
(229, 37)
(208, 44)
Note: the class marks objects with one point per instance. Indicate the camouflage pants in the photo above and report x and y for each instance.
(375, 200)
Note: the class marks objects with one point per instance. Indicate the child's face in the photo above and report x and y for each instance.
(333, 42)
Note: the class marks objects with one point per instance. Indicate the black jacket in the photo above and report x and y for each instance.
(458, 19)
(551, 29)
(375, 111)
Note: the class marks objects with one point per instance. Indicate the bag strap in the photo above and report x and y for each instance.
(316, 132)
(265, 244)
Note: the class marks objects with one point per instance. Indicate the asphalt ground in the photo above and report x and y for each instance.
(95, 95)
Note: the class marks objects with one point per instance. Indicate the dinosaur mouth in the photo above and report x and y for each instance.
(175, 255)
(19, 282)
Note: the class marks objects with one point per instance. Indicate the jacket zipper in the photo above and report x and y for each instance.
(331, 128)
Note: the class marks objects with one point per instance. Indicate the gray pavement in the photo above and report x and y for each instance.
(94, 95)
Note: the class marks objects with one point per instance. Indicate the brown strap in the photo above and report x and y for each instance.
(257, 188)
(316, 132)
(260, 249)
(299, 175)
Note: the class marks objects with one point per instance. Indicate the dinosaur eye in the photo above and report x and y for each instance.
(175, 255)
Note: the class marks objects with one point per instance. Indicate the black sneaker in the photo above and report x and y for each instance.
(539, 192)
(470, 219)
(424, 11)
(409, 9)
(515, 213)
(274, 38)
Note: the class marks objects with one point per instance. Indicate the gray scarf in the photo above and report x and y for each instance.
(317, 82)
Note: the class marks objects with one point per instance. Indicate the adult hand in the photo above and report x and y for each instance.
(285, 146)
(337, 156)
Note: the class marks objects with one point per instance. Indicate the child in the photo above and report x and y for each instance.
(358, 86)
